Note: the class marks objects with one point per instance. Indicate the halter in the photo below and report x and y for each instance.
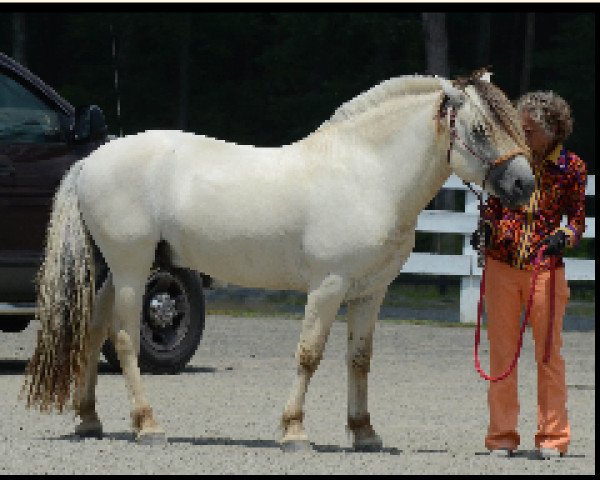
(454, 136)
(490, 165)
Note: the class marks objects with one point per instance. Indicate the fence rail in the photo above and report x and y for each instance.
(465, 265)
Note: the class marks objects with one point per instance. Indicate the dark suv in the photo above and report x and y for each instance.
(41, 136)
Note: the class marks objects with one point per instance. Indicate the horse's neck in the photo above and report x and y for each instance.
(409, 146)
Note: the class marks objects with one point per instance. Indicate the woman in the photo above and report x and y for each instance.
(513, 239)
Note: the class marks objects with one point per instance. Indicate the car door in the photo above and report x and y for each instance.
(34, 155)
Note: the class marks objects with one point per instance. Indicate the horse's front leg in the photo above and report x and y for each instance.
(321, 307)
(85, 398)
(128, 304)
(361, 317)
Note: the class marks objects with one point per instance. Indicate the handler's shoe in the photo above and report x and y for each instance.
(502, 452)
(547, 453)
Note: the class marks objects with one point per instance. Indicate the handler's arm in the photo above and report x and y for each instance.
(575, 202)
(492, 213)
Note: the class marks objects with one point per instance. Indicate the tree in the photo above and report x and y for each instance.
(527, 52)
(19, 38)
(436, 46)
(485, 33)
(184, 71)
(436, 43)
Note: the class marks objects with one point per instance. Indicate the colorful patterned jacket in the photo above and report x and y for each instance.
(560, 190)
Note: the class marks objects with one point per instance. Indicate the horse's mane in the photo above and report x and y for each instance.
(394, 87)
(500, 106)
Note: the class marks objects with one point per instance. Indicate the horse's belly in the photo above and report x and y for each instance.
(273, 263)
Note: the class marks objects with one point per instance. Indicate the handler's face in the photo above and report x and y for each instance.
(537, 138)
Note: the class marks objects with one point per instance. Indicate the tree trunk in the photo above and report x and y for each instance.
(527, 53)
(515, 58)
(19, 38)
(184, 80)
(436, 45)
(115, 67)
(123, 27)
(485, 31)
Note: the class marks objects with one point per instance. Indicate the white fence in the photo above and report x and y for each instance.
(465, 265)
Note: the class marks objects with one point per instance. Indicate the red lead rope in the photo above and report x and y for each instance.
(525, 320)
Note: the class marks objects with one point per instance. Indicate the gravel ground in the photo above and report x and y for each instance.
(222, 413)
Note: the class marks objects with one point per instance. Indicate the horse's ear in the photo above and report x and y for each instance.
(454, 96)
(487, 77)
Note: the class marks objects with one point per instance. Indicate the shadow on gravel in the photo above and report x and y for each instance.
(204, 441)
(530, 455)
(222, 441)
(189, 369)
(12, 367)
(338, 449)
(71, 437)
(17, 367)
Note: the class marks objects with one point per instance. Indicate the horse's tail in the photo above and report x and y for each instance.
(65, 293)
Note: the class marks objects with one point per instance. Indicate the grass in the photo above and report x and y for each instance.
(432, 323)
(255, 313)
(582, 309)
(289, 305)
(248, 313)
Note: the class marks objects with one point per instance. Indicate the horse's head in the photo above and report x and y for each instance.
(487, 144)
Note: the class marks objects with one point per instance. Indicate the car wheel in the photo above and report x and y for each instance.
(172, 322)
(14, 323)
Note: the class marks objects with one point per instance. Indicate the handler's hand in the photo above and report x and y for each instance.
(556, 243)
(475, 237)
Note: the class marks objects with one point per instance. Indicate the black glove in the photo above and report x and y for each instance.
(556, 243)
(475, 236)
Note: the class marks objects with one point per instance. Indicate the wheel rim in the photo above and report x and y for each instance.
(166, 313)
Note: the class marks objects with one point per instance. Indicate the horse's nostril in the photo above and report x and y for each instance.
(519, 189)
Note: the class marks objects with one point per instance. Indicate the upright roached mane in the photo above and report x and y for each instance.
(500, 106)
(333, 214)
(393, 87)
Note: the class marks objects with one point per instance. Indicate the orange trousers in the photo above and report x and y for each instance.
(506, 295)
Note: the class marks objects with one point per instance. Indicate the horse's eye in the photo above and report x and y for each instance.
(479, 129)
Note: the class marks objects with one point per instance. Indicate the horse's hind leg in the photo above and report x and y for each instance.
(129, 287)
(321, 307)
(362, 317)
(85, 406)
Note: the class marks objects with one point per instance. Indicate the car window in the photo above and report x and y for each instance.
(24, 117)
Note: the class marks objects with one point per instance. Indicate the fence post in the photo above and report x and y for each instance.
(469, 285)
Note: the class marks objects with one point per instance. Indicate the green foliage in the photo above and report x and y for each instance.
(566, 64)
(586, 248)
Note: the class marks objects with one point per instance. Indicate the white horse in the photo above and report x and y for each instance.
(332, 215)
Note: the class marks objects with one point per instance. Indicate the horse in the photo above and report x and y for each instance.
(332, 215)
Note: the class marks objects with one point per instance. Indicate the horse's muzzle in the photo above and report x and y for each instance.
(513, 181)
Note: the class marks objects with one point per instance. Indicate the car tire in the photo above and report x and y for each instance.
(14, 323)
(172, 322)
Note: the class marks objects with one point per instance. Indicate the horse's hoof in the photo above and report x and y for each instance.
(152, 438)
(93, 430)
(295, 446)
